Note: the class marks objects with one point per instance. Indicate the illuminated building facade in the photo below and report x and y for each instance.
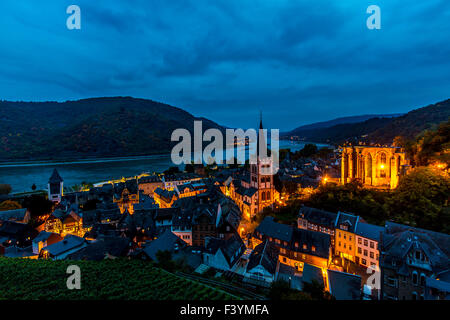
(296, 246)
(373, 166)
(367, 244)
(126, 194)
(255, 191)
(65, 222)
(345, 243)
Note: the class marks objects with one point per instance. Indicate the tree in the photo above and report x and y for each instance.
(280, 290)
(399, 141)
(9, 205)
(172, 170)
(316, 290)
(421, 199)
(165, 260)
(308, 150)
(5, 189)
(189, 168)
(38, 205)
(434, 145)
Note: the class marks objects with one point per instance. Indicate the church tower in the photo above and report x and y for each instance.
(261, 174)
(55, 187)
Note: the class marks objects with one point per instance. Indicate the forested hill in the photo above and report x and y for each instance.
(97, 127)
(381, 129)
(343, 120)
(413, 123)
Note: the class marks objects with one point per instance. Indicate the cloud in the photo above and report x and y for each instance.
(298, 61)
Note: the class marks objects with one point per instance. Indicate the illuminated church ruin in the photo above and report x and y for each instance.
(374, 166)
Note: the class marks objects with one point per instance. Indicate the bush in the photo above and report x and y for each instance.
(9, 205)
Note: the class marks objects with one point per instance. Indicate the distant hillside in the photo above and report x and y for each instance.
(380, 129)
(413, 123)
(342, 120)
(97, 127)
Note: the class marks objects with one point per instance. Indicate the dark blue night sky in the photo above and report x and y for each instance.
(297, 61)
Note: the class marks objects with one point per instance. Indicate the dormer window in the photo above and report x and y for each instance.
(418, 255)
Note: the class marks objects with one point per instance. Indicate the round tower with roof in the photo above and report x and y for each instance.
(55, 187)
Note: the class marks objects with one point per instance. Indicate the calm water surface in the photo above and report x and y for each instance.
(21, 176)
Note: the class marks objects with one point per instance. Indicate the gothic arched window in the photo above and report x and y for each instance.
(383, 165)
(369, 165)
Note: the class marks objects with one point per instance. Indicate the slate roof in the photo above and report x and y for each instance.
(55, 177)
(265, 254)
(180, 177)
(101, 229)
(97, 250)
(13, 229)
(17, 214)
(249, 192)
(15, 252)
(95, 216)
(131, 185)
(348, 219)
(232, 248)
(270, 228)
(145, 203)
(320, 217)
(311, 273)
(183, 219)
(344, 286)
(399, 240)
(440, 285)
(369, 231)
(68, 243)
(149, 179)
(165, 194)
(166, 213)
(42, 236)
(205, 210)
(72, 212)
(167, 241)
(321, 242)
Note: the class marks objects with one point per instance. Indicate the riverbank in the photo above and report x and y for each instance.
(21, 175)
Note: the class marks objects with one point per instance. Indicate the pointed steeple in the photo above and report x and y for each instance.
(261, 136)
(55, 178)
(260, 120)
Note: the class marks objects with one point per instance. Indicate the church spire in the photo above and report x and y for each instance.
(260, 119)
(261, 138)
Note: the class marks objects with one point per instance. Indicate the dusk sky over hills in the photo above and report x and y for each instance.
(297, 61)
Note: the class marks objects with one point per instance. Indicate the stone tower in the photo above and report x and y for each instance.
(55, 187)
(261, 175)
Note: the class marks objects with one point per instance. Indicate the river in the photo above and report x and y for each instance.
(22, 175)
